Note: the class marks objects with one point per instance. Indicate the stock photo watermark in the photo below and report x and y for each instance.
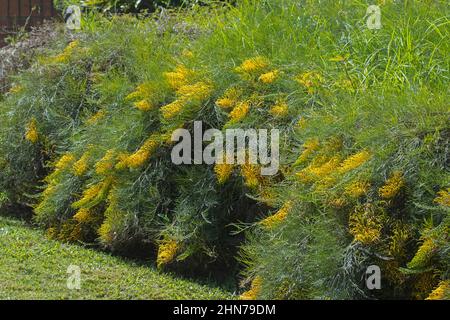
(74, 277)
(235, 146)
(72, 17)
(373, 277)
(373, 15)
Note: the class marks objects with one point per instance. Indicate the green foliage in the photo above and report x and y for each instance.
(364, 149)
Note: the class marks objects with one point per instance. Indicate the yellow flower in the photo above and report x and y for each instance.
(254, 291)
(443, 198)
(94, 192)
(229, 99)
(66, 54)
(310, 80)
(179, 77)
(423, 255)
(400, 235)
(143, 91)
(365, 225)
(357, 189)
(138, 158)
(278, 217)
(269, 77)
(173, 109)
(83, 215)
(32, 133)
(106, 164)
(143, 105)
(15, 89)
(442, 291)
(81, 166)
(239, 112)
(167, 251)
(95, 118)
(310, 146)
(315, 172)
(354, 161)
(122, 159)
(65, 161)
(253, 65)
(197, 91)
(392, 186)
(250, 173)
(338, 203)
(280, 109)
(223, 172)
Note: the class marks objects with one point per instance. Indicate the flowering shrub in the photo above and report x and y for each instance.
(364, 145)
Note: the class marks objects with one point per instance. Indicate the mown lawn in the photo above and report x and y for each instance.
(34, 267)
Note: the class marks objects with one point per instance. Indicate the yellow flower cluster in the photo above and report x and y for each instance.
(253, 65)
(230, 98)
(106, 164)
(310, 80)
(443, 198)
(197, 91)
(66, 160)
(167, 251)
(392, 185)
(278, 217)
(143, 105)
(15, 89)
(254, 291)
(357, 189)
(96, 117)
(179, 77)
(365, 225)
(354, 161)
(144, 93)
(171, 110)
(250, 173)
(423, 254)
(315, 172)
(400, 235)
(239, 112)
(114, 218)
(442, 291)
(310, 146)
(66, 54)
(80, 167)
(92, 193)
(138, 158)
(269, 77)
(32, 133)
(223, 172)
(280, 109)
(83, 215)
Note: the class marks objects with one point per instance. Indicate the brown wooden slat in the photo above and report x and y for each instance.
(15, 13)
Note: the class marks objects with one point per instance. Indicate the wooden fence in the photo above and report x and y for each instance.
(18, 13)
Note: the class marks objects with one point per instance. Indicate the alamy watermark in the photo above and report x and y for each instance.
(74, 277)
(373, 277)
(72, 17)
(373, 14)
(235, 146)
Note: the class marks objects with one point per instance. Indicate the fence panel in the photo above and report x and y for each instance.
(18, 13)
